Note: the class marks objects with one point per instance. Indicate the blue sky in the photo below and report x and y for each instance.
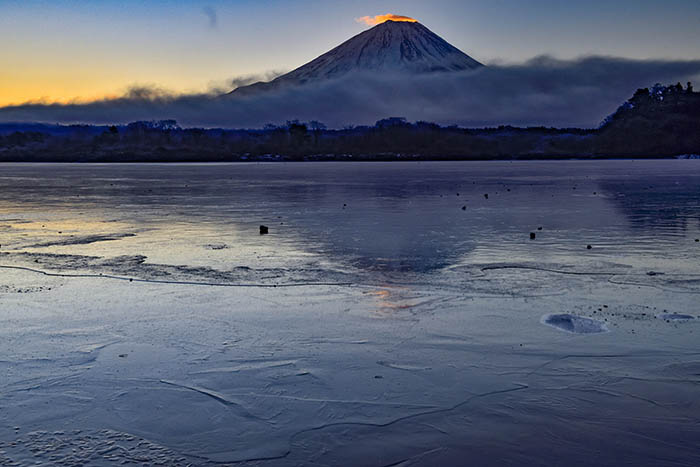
(60, 50)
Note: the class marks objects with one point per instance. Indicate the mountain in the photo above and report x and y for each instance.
(396, 47)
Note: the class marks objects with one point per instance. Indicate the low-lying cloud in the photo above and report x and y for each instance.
(245, 80)
(542, 91)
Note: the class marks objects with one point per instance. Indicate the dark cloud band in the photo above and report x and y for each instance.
(542, 91)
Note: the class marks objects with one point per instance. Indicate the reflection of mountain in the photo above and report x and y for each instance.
(376, 220)
(390, 233)
(398, 218)
(665, 203)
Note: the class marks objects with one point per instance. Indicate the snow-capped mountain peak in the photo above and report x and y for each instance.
(396, 47)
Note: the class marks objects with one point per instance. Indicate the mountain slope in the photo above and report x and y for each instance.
(391, 47)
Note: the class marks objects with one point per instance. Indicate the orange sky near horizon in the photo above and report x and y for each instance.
(76, 81)
(67, 86)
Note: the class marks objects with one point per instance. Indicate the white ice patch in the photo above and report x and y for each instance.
(73, 448)
(574, 324)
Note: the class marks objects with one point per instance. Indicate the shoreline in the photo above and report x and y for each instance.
(356, 159)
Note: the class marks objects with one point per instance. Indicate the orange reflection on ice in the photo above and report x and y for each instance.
(391, 299)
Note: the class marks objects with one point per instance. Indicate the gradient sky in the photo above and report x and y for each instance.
(59, 50)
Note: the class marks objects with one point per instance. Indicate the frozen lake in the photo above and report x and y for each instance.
(395, 314)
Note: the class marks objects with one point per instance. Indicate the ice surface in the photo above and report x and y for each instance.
(147, 321)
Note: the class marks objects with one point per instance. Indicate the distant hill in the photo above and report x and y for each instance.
(662, 120)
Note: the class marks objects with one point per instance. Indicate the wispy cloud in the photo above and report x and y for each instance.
(245, 80)
(211, 15)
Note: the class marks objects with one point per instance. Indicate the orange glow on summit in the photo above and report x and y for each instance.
(379, 19)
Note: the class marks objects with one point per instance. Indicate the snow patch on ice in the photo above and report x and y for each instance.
(574, 324)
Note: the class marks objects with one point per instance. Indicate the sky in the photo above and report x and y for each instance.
(63, 50)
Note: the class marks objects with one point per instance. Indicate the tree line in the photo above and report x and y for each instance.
(662, 121)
